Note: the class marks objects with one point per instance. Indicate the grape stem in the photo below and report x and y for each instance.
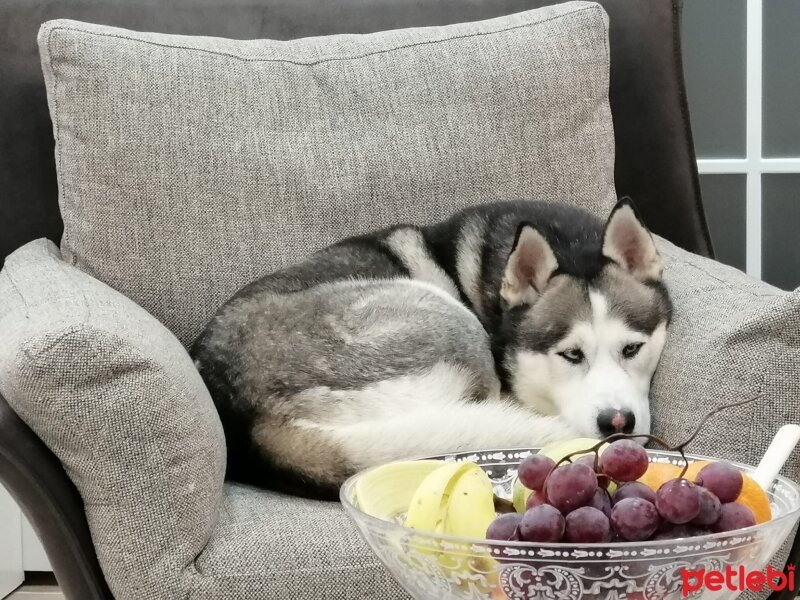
(653, 438)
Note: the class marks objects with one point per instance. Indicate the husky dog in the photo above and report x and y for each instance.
(509, 325)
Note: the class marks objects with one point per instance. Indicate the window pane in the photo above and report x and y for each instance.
(724, 198)
(714, 59)
(780, 223)
(781, 125)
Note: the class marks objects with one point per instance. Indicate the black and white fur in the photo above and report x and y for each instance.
(509, 325)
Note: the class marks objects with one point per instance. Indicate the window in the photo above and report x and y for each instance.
(742, 63)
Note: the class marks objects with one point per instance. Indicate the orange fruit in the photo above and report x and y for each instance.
(498, 593)
(694, 469)
(658, 474)
(752, 496)
(755, 499)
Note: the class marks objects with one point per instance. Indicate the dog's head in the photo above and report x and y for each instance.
(584, 342)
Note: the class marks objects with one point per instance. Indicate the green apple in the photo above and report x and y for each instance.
(557, 451)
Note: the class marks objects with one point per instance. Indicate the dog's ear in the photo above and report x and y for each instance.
(628, 243)
(529, 267)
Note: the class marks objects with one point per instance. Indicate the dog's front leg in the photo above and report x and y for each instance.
(453, 427)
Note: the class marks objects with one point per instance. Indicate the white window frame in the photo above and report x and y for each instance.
(753, 165)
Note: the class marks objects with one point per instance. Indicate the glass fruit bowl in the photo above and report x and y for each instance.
(440, 567)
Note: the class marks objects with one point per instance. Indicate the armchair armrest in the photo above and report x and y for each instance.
(732, 337)
(117, 399)
(37, 481)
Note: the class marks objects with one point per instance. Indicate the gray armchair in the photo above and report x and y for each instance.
(655, 164)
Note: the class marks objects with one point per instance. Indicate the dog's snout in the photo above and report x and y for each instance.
(611, 421)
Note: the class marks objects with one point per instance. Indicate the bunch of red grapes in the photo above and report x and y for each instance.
(571, 502)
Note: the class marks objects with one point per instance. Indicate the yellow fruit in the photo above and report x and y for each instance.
(455, 499)
(471, 507)
(520, 496)
(386, 491)
(428, 506)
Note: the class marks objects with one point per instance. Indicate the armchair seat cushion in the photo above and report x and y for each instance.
(268, 545)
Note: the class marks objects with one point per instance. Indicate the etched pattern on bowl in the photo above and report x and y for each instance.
(440, 567)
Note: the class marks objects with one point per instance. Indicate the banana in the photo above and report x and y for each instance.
(456, 499)
(386, 491)
(428, 506)
(470, 510)
(449, 498)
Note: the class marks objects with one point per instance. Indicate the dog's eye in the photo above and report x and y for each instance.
(632, 350)
(574, 356)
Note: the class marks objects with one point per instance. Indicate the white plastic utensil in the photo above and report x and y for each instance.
(776, 455)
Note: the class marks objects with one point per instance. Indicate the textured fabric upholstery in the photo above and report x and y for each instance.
(190, 166)
(116, 397)
(206, 167)
(118, 400)
(268, 545)
(732, 338)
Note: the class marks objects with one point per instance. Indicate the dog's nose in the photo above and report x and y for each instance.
(611, 421)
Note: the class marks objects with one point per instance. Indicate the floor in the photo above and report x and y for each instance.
(37, 586)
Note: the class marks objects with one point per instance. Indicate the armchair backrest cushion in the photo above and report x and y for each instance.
(190, 166)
